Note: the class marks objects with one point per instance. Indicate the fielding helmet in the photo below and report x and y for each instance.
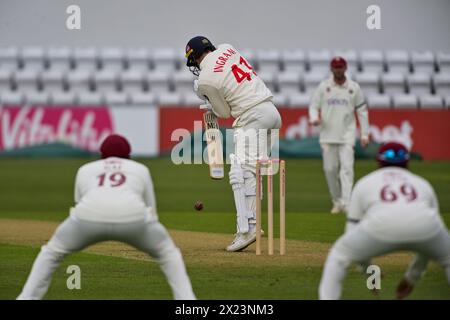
(393, 154)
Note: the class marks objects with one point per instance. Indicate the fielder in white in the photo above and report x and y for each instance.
(391, 209)
(114, 201)
(232, 88)
(332, 107)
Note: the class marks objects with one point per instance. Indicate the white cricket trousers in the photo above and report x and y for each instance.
(256, 131)
(357, 245)
(338, 160)
(74, 235)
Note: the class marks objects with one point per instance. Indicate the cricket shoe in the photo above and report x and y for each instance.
(242, 241)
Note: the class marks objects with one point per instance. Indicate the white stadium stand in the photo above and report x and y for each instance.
(114, 98)
(423, 62)
(183, 81)
(62, 98)
(90, 98)
(191, 99)
(431, 102)
(441, 83)
(52, 80)
(299, 100)
(138, 59)
(372, 61)
(105, 80)
(12, 98)
(168, 98)
(443, 61)
(26, 80)
(112, 59)
(164, 59)
(269, 79)
(293, 61)
(9, 58)
(59, 58)
(268, 61)
(5, 79)
(311, 81)
(404, 101)
(86, 59)
(393, 83)
(132, 80)
(33, 58)
(319, 61)
(158, 81)
(369, 82)
(379, 101)
(37, 98)
(398, 61)
(419, 83)
(79, 80)
(143, 98)
(288, 82)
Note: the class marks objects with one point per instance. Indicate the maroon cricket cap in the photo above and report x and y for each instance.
(338, 62)
(115, 146)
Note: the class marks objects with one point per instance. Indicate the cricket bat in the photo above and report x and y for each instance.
(214, 146)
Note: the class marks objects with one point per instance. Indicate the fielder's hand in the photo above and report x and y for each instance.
(364, 141)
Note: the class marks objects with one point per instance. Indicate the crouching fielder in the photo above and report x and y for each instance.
(114, 201)
(390, 209)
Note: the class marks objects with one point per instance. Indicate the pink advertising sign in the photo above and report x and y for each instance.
(83, 127)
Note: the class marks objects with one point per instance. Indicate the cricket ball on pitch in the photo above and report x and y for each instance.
(198, 205)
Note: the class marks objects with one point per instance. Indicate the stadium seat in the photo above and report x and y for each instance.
(319, 61)
(86, 59)
(397, 61)
(138, 59)
(53, 80)
(158, 81)
(288, 81)
(393, 83)
(191, 99)
(419, 83)
(378, 101)
(59, 58)
(443, 61)
(168, 98)
(422, 62)
(299, 100)
(33, 58)
(431, 102)
(132, 80)
(9, 58)
(26, 80)
(143, 98)
(79, 80)
(268, 61)
(37, 98)
(369, 82)
(293, 61)
(112, 59)
(183, 81)
(311, 81)
(351, 57)
(269, 79)
(372, 61)
(405, 101)
(105, 80)
(447, 101)
(5, 80)
(15, 98)
(442, 83)
(62, 98)
(280, 99)
(90, 98)
(115, 98)
(164, 59)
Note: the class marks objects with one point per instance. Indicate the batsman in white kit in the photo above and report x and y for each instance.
(114, 201)
(391, 209)
(232, 88)
(332, 107)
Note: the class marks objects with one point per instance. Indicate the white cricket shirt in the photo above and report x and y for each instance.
(230, 83)
(395, 205)
(114, 190)
(337, 105)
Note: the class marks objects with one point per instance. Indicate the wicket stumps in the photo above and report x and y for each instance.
(268, 164)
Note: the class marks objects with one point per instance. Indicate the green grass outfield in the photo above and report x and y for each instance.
(32, 189)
